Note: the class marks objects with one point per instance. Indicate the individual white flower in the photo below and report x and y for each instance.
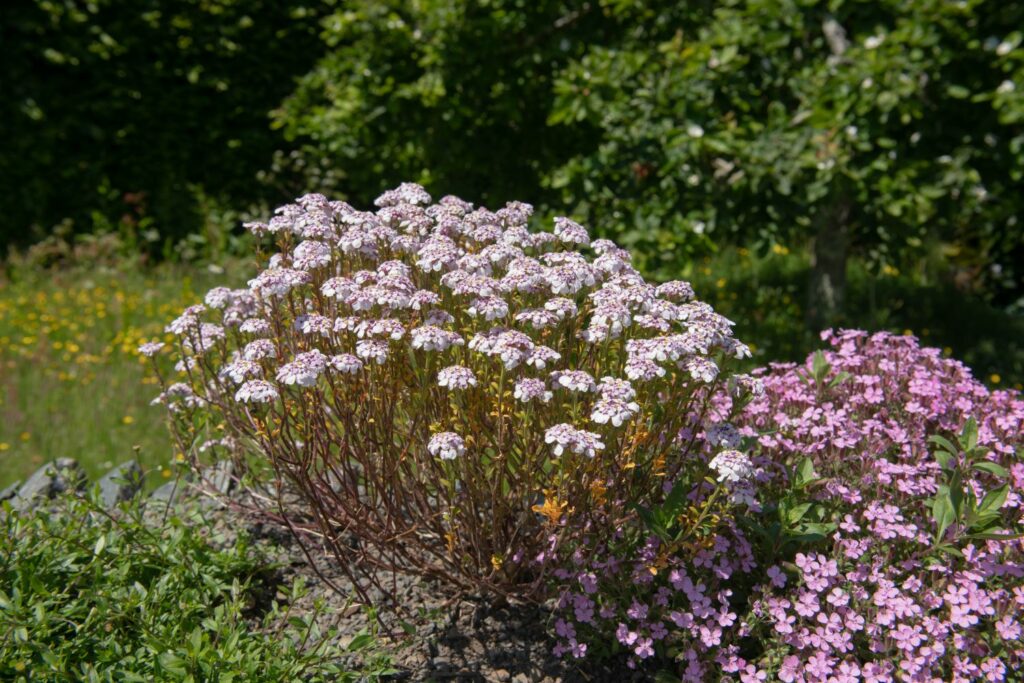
(315, 324)
(488, 307)
(613, 387)
(176, 397)
(256, 391)
(723, 435)
(218, 297)
(565, 437)
(278, 281)
(310, 255)
(338, 287)
(345, 363)
(541, 355)
(259, 349)
(304, 369)
(372, 350)
(255, 326)
(203, 338)
(732, 466)
(188, 320)
(456, 377)
(446, 445)
(561, 307)
(241, 369)
(573, 380)
(613, 410)
(570, 232)
(433, 338)
(150, 349)
(530, 389)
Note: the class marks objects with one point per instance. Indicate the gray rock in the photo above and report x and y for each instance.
(170, 492)
(50, 480)
(121, 483)
(9, 492)
(222, 479)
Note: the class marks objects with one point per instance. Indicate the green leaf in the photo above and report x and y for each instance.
(969, 435)
(795, 514)
(958, 92)
(101, 543)
(172, 663)
(956, 494)
(991, 468)
(839, 379)
(946, 460)
(944, 443)
(675, 501)
(994, 535)
(360, 642)
(819, 366)
(994, 500)
(805, 472)
(942, 512)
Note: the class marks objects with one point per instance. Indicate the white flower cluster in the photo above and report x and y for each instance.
(358, 295)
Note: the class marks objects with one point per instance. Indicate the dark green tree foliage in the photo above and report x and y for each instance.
(116, 110)
(454, 94)
(882, 126)
(886, 127)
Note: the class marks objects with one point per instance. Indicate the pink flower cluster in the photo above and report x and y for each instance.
(656, 599)
(872, 600)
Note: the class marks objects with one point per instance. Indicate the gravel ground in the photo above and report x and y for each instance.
(433, 635)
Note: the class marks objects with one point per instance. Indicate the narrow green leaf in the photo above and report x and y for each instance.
(994, 500)
(944, 459)
(944, 443)
(942, 512)
(991, 468)
(969, 435)
(795, 514)
(805, 472)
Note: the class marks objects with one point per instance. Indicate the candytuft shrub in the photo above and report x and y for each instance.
(447, 391)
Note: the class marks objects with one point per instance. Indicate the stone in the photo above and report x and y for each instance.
(222, 479)
(10, 491)
(121, 483)
(50, 480)
(169, 493)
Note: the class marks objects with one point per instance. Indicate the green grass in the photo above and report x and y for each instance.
(71, 381)
(86, 595)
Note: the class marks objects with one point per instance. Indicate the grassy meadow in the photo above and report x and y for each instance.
(72, 383)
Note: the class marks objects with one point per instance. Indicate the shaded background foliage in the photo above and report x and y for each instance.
(121, 113)
(880, 134)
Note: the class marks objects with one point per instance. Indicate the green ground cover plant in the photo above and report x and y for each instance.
(88, 594)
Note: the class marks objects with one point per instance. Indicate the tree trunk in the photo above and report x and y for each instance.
(827, 291)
